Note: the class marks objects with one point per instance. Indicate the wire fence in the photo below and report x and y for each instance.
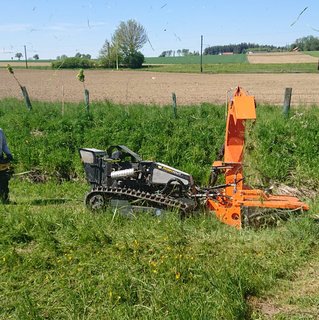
(144, 87)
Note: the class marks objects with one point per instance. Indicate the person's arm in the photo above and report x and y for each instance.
(5, 147)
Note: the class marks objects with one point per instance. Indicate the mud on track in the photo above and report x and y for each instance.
(156, 88)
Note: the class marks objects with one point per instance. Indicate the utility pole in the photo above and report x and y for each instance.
(108, 54)
(117, 55)
(25, 56)
(201, 53)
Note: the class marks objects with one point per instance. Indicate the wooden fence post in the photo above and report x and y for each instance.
(174, 105)
(26, 97)
(87, 100)
(287, 101)
(62, 110)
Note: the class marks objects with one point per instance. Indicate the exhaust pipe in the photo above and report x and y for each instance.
(126, 173)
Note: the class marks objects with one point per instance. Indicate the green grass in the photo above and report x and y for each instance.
(236, 63)
(313, 53)
(207, 59)
(236, 68)
(58, 261)
(279, 149)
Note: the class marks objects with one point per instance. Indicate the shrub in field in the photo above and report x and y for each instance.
(73, 63)
(134, 60)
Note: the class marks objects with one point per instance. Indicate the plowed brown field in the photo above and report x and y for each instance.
(284, 57)
(148, 87)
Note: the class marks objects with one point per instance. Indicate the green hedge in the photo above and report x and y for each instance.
(73, 63)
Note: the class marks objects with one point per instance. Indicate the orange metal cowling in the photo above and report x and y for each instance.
(229, 204)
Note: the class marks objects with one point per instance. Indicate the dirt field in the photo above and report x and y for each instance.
(150, 87)
(285, 57)
(22, 64)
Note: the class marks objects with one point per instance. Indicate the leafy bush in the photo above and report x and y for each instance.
(73, 63)
(135, 60)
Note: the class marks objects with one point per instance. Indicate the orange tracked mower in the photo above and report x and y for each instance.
(236, 202)
(121, 178)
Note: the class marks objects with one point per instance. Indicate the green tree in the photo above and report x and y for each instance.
(134, 60)
(36, 57)
(82, 56)
(19, 55)
(110, 55)
(185, 52)
(61, 57)
(130, 37)
(123, 48)
(309, 43)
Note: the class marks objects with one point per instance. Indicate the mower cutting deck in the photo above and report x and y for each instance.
(236, 202)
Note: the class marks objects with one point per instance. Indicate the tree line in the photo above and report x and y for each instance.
(19, 55)
(243, 47)
(179, 53)
(308, 43)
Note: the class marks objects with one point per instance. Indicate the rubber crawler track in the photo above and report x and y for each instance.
(150, 198)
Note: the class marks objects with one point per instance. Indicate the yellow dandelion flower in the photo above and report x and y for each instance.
(153, 263)
(177, 275)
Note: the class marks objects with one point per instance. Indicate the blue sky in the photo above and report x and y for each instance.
(52, 28)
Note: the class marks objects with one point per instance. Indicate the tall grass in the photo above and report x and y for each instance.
(278, 149)
(285, 150)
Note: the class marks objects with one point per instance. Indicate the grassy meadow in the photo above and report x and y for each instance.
(314, 53)
(207, 59)
(225, 68)
(59, 261)
(235, 63)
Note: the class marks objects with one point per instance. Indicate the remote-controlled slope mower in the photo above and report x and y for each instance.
(119, 177)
